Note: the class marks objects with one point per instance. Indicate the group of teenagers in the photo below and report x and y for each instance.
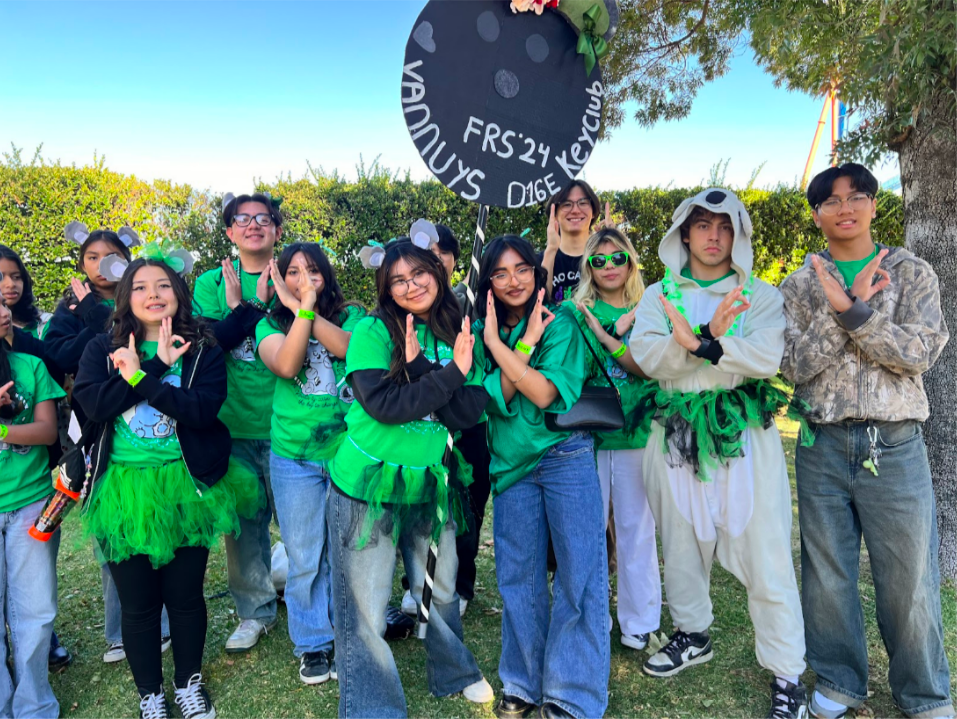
(374, 434)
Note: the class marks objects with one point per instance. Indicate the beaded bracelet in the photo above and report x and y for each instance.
(305, 314)
(136, 378)
(258, 304)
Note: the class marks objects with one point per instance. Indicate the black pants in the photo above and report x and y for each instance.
(143, 591)
(473, 445)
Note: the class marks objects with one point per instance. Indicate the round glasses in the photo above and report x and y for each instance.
(400, 288)
(581, 204)
(832, 206)
(263, 219)
(501, 280)
(618, 259)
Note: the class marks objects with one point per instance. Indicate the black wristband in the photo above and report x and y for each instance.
(704, 331)
(710, 350)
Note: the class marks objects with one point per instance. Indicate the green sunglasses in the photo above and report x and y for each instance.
(618, 259)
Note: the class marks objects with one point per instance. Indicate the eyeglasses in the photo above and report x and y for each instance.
(501, 280)
(860, 201)
(581, 204)
(400, 288)
(263, 219)
(617, 259)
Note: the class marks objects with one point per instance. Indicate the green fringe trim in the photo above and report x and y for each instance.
(156, 510)
(326, 436)
(706, 428)
(384, 486)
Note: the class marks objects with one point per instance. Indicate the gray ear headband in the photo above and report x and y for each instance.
(423, 234)
(79, 233)
(372, 255)
(113, 267)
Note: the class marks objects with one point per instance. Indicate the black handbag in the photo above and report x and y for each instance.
(598, 409)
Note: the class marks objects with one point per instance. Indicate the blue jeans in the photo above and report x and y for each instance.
(839, 502)
(369, 684)
(113, 614)
(249, 556)
(563, 658)
(300, 490)
(28, 600)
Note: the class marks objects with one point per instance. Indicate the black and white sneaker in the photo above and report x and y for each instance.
(154, 706)
(315, 667)
(789, 701)
(683, 650)
(636, 641)
(193, 700)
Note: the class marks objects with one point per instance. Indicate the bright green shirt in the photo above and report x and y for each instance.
(371, 445)
(517, 436)
(849, 270)
(25, 469)
(143, 436)
(309, 410)
(249, 383)
(629, 385)
(686, 273)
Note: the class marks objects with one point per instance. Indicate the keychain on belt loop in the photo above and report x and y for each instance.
(873, 460)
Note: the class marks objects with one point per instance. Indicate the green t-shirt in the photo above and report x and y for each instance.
(248, 380)
(686, 273)
(309, 409)
(143, 436)
(629, 385)
(25, 469)
(414, 446)
(850, 269)
(517, 436)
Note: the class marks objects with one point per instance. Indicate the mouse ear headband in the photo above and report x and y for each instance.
(77, 232)
(181, 261)
(372, 255)
(423, 234)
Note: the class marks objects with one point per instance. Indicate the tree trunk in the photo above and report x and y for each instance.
(928, 164)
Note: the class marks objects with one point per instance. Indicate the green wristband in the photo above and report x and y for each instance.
(305, 314)
(524, 348)
(136, 378)
(3, 431)
(620, 351)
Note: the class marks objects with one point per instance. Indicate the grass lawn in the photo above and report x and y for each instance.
(265, 683)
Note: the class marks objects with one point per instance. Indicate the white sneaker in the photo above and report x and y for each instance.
(636, 641)
(116, 653)
(480, 692)
(463, 605)
(193, 700)
(247, 634)
(408, 604)
(167, 643)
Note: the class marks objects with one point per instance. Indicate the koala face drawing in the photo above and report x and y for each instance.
(149, 423)
(499, 104)
(320, 377)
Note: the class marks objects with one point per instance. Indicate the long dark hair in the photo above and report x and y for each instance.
(190, 328)
(25, 310)
(490, 259)
(96, 236)
(6, 374)
(329, 303)
(445, 317)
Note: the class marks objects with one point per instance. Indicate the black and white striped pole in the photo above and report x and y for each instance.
(425, 606)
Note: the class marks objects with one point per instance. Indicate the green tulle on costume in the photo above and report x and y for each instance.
(156, 510)
(383, 489)
(706, 428)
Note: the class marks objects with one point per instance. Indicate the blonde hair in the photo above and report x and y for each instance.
(587, 291)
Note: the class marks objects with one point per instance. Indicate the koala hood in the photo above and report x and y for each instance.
(674, 253)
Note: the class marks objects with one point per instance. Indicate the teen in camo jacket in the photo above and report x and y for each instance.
(863, 322)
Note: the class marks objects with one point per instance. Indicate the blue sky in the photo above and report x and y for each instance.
(217, 94)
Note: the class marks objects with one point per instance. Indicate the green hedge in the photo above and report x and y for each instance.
(38, 199)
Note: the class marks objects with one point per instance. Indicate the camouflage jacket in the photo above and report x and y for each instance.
(865, 363)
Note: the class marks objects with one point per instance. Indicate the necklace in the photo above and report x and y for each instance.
(248, 346)
(672, 293)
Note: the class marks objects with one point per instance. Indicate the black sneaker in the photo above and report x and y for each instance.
(154, 706)
(397, 624)
(683, 650)
(315, 667)
(193, 700)
(788, 702)
(512, 707)
(59, 658)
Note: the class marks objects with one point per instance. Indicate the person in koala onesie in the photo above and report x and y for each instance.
(712, 335)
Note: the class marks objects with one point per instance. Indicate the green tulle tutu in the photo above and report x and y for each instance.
(156, 510)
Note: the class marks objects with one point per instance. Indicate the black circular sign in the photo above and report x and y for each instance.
(497, 103)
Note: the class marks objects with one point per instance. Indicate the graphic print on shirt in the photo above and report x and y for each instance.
(318, 376)
(145, 422)
(244, 352)
(26, 400)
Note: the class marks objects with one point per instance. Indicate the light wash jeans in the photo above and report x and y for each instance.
(28, 586)
(249, 556)
(564, 656)
(839, 502)
(299, 490)
(369, 684)
(113, 613)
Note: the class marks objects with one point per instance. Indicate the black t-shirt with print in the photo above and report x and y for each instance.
(565, 277)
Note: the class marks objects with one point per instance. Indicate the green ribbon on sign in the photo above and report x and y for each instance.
(590, 43)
